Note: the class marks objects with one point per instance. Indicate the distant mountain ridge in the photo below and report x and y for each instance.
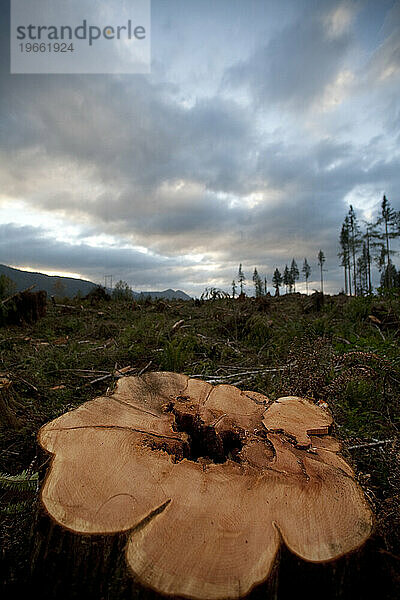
(69, 286)
(168, 294)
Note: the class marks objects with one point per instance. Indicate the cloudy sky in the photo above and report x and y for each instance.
(260, 122)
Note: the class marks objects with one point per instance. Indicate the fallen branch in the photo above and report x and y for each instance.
(117, 374)
(27, 383)
(17, 293)
(79, 308)
(145, 368)
(123, 371)
(99, 379)
(370, 444)
(177, 325)
(246, 374)
(69, 306)
(90, 371)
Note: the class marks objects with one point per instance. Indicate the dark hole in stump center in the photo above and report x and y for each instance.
(204, 441)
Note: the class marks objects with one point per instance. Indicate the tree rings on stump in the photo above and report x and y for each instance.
(206, 482)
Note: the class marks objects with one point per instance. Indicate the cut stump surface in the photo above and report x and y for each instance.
(208, 481)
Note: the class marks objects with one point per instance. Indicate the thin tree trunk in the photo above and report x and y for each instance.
(353, 248)
(369, 266)
(388, 278)
(349, 274)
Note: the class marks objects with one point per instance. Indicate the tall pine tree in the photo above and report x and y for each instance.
(233, 289)
(344, 254)
(321, 260)
(277, 281)
(257, 283)
(286, 279)
(362, 271)
(294, 273)
(354, 243)
(306, 270)
(388, 221)
(241, 278)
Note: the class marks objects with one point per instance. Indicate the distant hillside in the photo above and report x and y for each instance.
(52, 284)
(167, 294)
(69, 286)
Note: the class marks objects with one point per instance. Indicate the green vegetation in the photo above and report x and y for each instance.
(122, 291)
(288, 279)
(343, 352)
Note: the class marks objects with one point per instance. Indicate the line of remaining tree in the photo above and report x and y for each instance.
(288, 278)
(360, 249)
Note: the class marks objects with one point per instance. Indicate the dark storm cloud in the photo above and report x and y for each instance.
(34, 247)
(294, 67)
(14, 241)
(327, 169)
(129, 131)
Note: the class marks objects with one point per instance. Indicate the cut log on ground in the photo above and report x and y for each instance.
(205, 483)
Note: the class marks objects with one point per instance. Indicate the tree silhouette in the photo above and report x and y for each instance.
(241, 278)
(321, 260)
(370, 243)
(390, 277)
(306, 272)
(359, 249)
(389, 221)
(233, 288)
(122, 291)
(344, 254)
(362, 271)
(257, 283)
(354, 242)
(294, 273)
(277, 281)
(286, 279)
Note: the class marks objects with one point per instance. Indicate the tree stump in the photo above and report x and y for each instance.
(203, 483)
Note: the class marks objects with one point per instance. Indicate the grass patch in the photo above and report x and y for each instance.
(336, 353)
